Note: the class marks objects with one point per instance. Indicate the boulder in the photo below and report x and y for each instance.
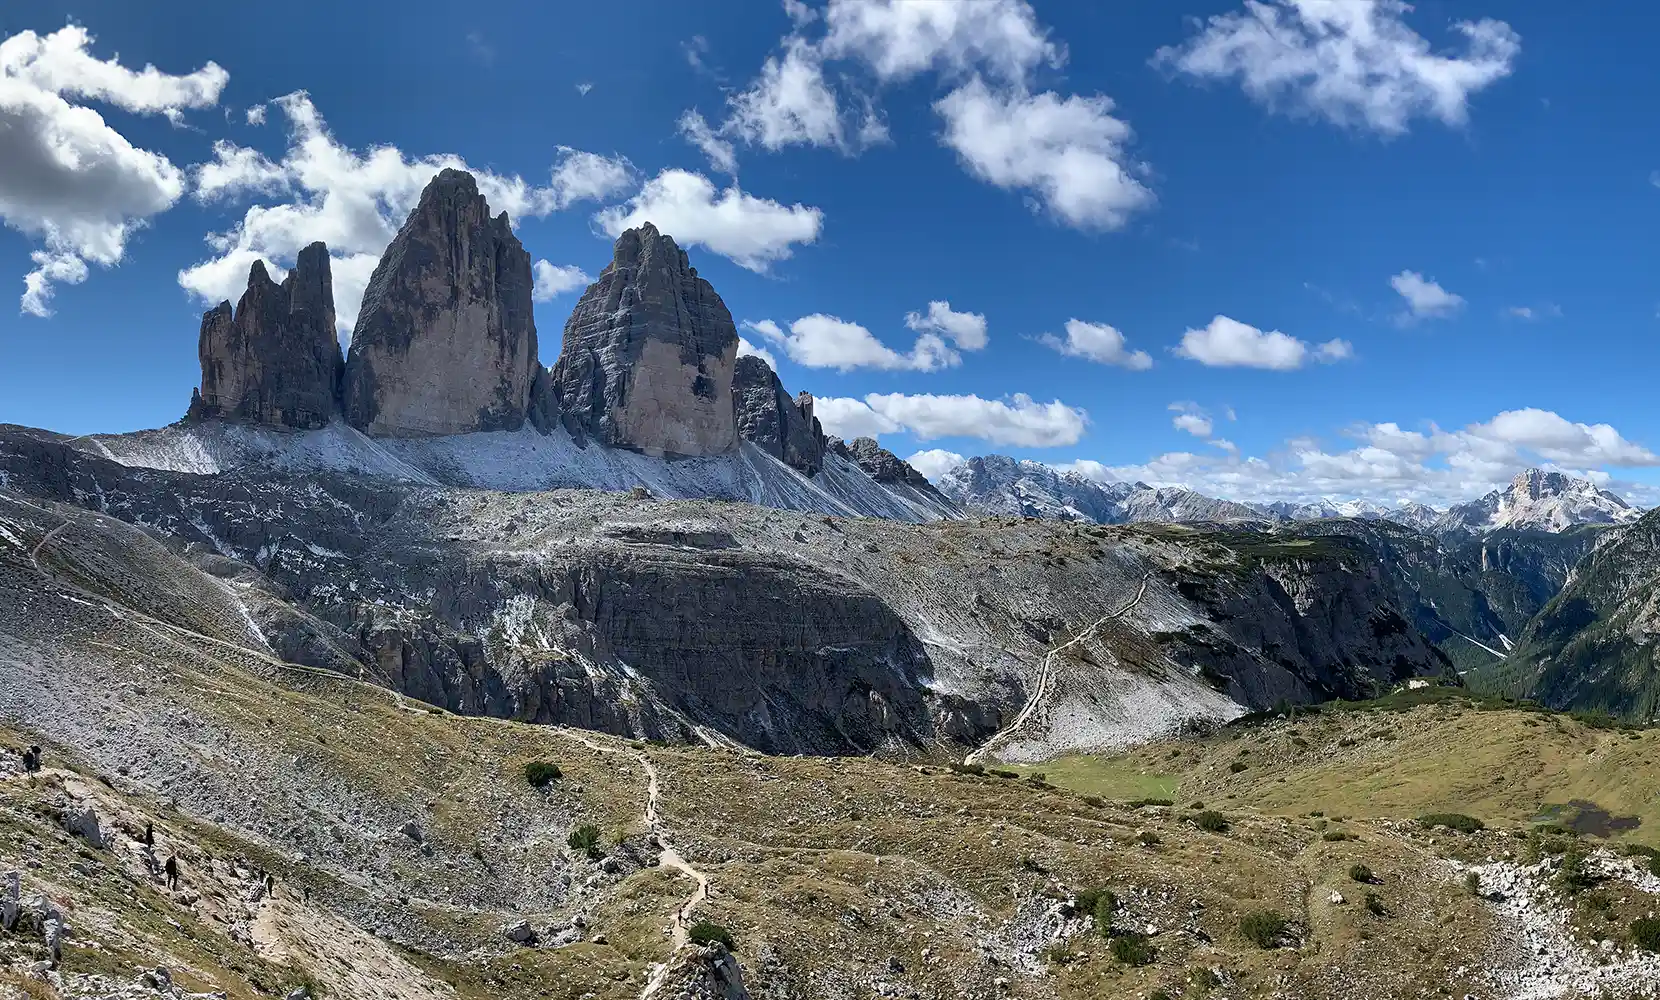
(446, 341)
(648, 355)
(82, 821)
(782, 427)
(274, 359)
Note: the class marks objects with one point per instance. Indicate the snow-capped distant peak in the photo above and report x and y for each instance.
(1552, 501)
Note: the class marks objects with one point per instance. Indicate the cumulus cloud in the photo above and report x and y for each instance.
(1192, 419)
(255, 114)
(1389, 463)
(554, 280)
(1016, 420)
(965, 329)
(1355, 63)
(747, 348)
(1228, 343)
(935, 462)
(70, 180)
(753, 232)
(1097, 342)
(1066, 154)
(1425, 299)
(353, 201)
(821, 341)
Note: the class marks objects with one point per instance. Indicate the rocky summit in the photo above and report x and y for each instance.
(275, 358)
(649, 353)
(782, 427)
(446, 340)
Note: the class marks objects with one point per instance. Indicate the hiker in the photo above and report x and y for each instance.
(270, 886)
(31, 760)
(149, 834)
(172, 871)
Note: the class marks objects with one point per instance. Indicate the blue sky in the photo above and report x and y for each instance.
(1449, 242)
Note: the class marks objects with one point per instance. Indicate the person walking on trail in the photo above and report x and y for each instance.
(149, 834)
(31, 760)
(172, 871)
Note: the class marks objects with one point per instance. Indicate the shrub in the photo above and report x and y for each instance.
(1262, 928)
(1237, 766)
(1147, 838)
(1452, 821)
(1572, 877)
(1361, 873)
(1094, 800)
(1374, 905)
(1138, 803)
(1102, 904)
(1472, 882)
(585, 838)
(542, 773)
(1654, 866)
(1336, 835)
(1133, 949)
(962, 768)
(1031, 864)
(1211, 821)
(1004, 774)
(705, 933)
(1645, 933)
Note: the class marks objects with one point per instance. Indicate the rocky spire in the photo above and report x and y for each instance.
(783, 428)
(275, 359)
(445, 342)
(648, 355)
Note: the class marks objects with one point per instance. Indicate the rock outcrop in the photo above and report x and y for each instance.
(648, 355)
(881, 464)
(276, 358)
(782, 427)
(446, 341)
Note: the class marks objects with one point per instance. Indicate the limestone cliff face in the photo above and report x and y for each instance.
(275, 359)
(648, 355)
(881, 464)
(784, 428)
(446, 341)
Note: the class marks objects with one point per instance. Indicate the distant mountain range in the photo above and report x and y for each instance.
(1535, 500)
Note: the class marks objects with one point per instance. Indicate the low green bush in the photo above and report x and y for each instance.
(1645, 933)
(1263, 928)
(1452, 821)
(1102, 904)
(705, 933)
(1337, 835)
(1211, 821)
(1237, 766)
(1133, 949)
(1361, 873)
(542, 773)
(585, 838)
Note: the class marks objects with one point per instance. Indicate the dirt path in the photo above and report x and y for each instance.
(1046, 673)
(667, 857)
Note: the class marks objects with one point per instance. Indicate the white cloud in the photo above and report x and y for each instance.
(256, 114)
(553, 280)
(69, 179)
(696, 131)
(1190, 418)
(1228, 343)
(753, 232)
(353, 202)
(965, 329)
(747, 348)
(1391, 464)
(1017, 420)
(1425, 299)
(935, 462)
(1068, 153)
(1097, 342)
(583, 88)
(1547, 311)
(820, 341)
(798, 12)
(899, 39)
(1354, 63)
(789, 103)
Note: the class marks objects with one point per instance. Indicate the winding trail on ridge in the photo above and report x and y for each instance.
(667, 857)
(1046, 674)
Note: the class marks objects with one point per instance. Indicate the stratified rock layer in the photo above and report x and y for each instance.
(784, 428)
(275, 359)
(445, 342)
(648, 355)
(881, 464)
